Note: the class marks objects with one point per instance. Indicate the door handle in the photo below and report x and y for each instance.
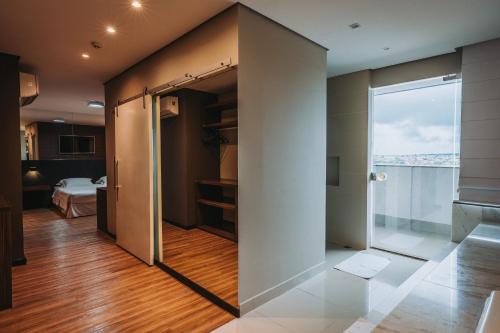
(117, 187)
(378, 176)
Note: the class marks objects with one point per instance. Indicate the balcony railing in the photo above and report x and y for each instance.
(421, 196)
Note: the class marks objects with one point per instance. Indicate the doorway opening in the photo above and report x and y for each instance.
(198, 166)
(415, 161)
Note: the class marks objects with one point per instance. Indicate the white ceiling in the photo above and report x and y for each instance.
(413, 29)
(50, 35)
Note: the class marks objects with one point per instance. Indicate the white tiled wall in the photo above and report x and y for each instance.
(480, 161)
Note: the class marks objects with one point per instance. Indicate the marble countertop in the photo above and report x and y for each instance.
(452, 296)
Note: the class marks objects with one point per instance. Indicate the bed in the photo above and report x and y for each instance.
(76, 197)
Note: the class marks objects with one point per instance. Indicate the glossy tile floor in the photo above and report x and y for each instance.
(452, 296)
(414, 243)
(329, 302)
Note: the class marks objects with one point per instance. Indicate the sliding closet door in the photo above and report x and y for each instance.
(134, 178)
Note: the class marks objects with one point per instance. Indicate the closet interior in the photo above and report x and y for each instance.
(199, 184)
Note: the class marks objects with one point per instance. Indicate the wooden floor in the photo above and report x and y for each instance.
(209, 260)
(78, 280)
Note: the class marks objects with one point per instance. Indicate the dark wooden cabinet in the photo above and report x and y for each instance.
(102, 218)
(5, 255)
(216, 198)
(36, 196)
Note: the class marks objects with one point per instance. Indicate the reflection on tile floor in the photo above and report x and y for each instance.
(415, 243)
(452, 310)
(329, 302)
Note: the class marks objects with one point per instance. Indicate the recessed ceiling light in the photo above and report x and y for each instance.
(58, 120)
(136, 4)
(354, 25)
(110, 29)
(85, 56)
(95, 104)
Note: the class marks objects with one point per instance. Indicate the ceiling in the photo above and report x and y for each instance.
(412, 29)
(51, 35)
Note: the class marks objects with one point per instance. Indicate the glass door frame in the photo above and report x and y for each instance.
(372, 92)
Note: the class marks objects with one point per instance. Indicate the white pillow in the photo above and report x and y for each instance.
(102, 181)
(75, 182)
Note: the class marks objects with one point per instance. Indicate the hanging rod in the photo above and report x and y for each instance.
(204, 73)
(188, 77)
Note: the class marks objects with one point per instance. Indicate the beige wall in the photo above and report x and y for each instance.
(211, 42)
(348, 211)
(417, 70)
(281, 157)
(480, 139)
(347, 133)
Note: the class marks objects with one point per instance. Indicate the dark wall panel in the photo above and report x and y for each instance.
(184, 156)
(10, 161)
(49, 172)
(48, 140)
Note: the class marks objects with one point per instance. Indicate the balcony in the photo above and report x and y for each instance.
(413, 208)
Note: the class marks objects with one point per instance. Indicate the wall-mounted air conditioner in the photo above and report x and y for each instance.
(28, 88)
(169, 106)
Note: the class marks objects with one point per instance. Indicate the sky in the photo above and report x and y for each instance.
(418, 121)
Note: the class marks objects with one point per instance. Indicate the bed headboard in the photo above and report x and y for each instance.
(50, 172)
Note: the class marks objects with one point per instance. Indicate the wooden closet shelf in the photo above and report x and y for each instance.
(218, 204)
(222, 125)
(227, 105)
(219, 182)
(219, 232)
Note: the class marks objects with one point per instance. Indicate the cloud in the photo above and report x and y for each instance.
(406, 138)
(418, 121)
(426, 106)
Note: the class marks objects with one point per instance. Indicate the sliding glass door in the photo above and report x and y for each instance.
(415, 164)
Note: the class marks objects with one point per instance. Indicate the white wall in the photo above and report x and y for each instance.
(480, 140)
(281, 157)
(347, 212)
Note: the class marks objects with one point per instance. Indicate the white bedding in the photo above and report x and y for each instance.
(76, 200)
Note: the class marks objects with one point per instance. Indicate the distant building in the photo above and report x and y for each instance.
(438, 160)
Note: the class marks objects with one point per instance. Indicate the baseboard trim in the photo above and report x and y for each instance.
(110, 234)
(19, 261)
(188, 227)
(267, 295)
(199, 289)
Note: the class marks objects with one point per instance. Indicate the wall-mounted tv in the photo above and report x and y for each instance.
(76, 144)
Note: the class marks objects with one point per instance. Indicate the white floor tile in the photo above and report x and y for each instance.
(360, 326)
(415, 243)
(401, 241)
(251, 325)
(299, 312)
(351, 296)
(400, 269)
(329, 302)
(340, 326)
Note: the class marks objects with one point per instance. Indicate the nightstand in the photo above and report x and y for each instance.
(102, 220)
(36, 196)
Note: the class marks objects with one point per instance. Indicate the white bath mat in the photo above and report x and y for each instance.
(363, 265)
(402, 241)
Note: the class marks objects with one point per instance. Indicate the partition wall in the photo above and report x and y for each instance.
(230, 184)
